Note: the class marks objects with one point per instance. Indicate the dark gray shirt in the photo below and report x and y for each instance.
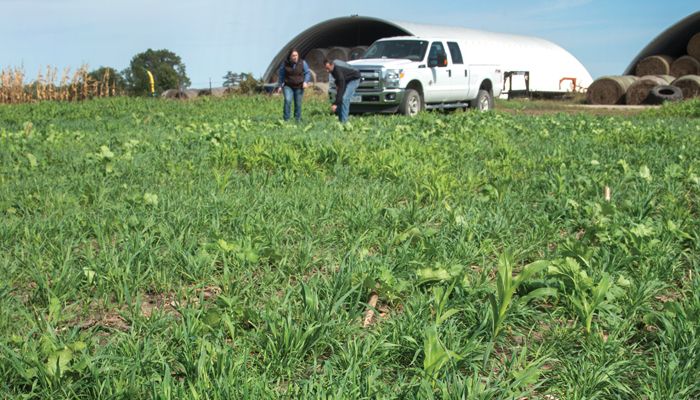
(342, 73)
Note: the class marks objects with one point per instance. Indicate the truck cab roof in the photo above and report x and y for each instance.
(430, 38)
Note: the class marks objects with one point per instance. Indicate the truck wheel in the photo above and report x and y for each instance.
(483, 101)
(412, 103)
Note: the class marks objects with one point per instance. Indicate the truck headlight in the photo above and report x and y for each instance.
(392, 77)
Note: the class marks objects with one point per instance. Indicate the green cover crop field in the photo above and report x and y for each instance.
(204, 249)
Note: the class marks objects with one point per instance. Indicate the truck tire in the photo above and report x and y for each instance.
(412, 103)
(663, 93)
(483, 101)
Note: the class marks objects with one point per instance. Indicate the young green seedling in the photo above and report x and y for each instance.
(507, 284)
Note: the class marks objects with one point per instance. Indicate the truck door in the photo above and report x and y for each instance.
(438, 89)
(459, 74)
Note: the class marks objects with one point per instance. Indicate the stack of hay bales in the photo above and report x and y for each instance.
(186, 94)
(357, 52)
(315, 58)
(338, 53)
(681, 75)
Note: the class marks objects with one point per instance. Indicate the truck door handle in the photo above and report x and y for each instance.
(449, 73)
(466, 72)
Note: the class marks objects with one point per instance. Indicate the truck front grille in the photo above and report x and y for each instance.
(371, 80)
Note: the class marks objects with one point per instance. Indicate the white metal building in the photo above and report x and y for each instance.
(551, 69)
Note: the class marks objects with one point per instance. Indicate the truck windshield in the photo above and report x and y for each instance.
(413, 50)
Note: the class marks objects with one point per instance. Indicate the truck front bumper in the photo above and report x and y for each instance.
(387, 101)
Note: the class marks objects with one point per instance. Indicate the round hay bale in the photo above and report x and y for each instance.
(170, 94)
(610, 89)
(357, 52)
(218, 92)
(654, 65)
(321, 74)
(315, 58)
(638, 92)
(686, 65)
(190, 93)
(180, 94)
(694, 46)
(338, 53)
(689, 85)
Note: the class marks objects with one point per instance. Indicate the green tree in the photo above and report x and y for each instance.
(233, 80)
(114, 78)
(167, 68)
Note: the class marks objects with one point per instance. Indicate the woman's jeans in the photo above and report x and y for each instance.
(292, 94)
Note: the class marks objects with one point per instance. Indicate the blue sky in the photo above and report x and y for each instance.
(215, 36)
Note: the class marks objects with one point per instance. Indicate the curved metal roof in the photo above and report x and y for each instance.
(546, 61)
(344, 31)
(671, 42)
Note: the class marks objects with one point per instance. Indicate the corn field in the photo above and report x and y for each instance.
(208, 250)
(75, 86)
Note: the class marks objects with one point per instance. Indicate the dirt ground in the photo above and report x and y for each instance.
(568, 106)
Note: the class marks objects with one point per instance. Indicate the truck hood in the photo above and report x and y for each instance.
(390, 63)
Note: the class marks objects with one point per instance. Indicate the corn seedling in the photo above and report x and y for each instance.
(586, 296)
(507, 284)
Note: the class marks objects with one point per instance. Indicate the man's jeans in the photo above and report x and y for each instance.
(344, 110)
(292, 94)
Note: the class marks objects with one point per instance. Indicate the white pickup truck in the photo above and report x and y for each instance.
(410, 74)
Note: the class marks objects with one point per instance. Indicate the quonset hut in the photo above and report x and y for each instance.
(529, 64)
(674, 42)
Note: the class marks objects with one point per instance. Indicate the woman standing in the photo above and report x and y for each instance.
(294, 76)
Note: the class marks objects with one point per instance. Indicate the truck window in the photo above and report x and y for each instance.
(413, 50)
(437, 55)
(455, 52)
